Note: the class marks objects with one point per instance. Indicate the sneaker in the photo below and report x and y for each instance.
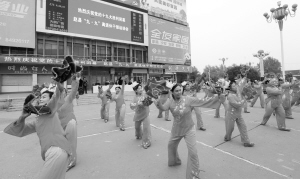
(289, 117)
(248, 144)
(122, 129)
(159, 116)
(202, 129)
(285, 129)
(70, 166)
(216, 116)
(246, 112)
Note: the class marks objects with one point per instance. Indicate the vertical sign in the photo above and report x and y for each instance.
(57, 15)
(137, 26)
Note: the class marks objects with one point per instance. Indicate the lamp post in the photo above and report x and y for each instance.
(261, 55)
(223, 62)
(278, 15)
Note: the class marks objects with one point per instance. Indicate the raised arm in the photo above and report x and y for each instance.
(236, 103)
(53, 103)
(75, 85)
(19, 128)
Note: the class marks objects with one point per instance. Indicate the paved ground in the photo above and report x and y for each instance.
(107, 153)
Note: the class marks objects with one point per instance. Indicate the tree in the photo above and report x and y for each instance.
(195, 74)
(234, 70)
(272, 65)
(216, 72)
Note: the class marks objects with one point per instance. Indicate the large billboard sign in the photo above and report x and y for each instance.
(174, 9)
(168, 42)
(93, 19)
(17, 23)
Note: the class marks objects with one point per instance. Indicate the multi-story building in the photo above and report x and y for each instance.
(108, 38)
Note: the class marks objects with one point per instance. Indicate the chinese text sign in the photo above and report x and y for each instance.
(16, 15)
(168, 42)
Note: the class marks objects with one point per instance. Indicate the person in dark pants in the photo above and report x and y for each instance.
(85, 84)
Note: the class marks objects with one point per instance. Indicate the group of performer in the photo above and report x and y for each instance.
(56, 124)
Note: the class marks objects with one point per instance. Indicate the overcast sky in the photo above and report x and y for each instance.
(235, 29)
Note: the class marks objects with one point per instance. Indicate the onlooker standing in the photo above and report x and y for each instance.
(85, 84)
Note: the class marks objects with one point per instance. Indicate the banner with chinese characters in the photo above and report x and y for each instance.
(168, 42)
(178, 68)
(171, 9)
(94, 19)
(25, 69)
(83, 62)
(16, 15)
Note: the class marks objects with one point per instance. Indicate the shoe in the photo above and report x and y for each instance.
(251, 106)
(248, 144)
(246, 112)
(168, 119)
(70, 166)
(285, 129)
(138, 138)
(216, 116)
(262, 124)
(289, 117)
(122, 129)
(202, 129)
(226, 140)
(105, 120)
(159, 116)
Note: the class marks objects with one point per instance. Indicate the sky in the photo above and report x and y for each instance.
(237, 29)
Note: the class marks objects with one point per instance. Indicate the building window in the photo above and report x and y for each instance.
(128, 55)
(78, 50)
(16, 51)
(51, 49)
(4, 50)
(40, 48)
(101, 53)
(145, 56)
(61, 50)
(121, 54)
(94, 55)
(133, 56)
(30, 52)
(139, 56)
(69, 48)
(108, 54)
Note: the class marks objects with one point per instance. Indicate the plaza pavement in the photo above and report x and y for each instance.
(105, 152)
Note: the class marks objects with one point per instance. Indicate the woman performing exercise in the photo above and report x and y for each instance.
(234, 114)
(120, 105)
(183, 127)
(190, 91)
(55, 147)
(141, 116)
(68, 119)
(274, 103)
(105, 97)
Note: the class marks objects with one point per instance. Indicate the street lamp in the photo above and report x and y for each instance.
(278, 15)
(261, 55)
(223, 61)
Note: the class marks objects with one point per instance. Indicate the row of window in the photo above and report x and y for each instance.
(52, 46)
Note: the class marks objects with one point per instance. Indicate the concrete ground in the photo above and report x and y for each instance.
(106, 152)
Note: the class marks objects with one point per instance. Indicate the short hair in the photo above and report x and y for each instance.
(175, 86)
(49, 92)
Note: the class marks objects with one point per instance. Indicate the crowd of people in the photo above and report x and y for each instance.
(56, 124)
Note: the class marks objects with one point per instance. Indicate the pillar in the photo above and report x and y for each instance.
(34, 79)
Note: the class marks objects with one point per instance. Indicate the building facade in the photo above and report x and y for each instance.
(108, 39)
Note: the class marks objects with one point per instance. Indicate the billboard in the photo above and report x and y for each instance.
(174, 9)
(94, 19)
(17, 23)
(168, 42)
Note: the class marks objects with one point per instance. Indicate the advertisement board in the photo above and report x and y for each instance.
(174, 9)
(17, 23)
(94, 19)
(168, 42)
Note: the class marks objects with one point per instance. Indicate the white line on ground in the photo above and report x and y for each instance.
(287, 168)
(101, 133)
(230, 154)
(295, 161)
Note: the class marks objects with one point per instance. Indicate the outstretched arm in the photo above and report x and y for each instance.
(19, 128)
(75, 85)
(53, 103)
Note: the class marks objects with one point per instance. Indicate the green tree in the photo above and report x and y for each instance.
(235, 70)
(195, 74)
(216, 72)
(272, 65)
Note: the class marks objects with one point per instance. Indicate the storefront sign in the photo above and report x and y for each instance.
(169, 42)
(17, 22)
(171, 9)
(83, 62)
(156, 71)
(178, 68)
(94, 19)
(25, 69)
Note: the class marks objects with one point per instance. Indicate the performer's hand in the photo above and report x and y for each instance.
(60, 86)
(25, 114)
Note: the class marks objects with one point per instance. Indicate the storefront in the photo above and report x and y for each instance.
(156, 73)
(21, 77)
(139, 75)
